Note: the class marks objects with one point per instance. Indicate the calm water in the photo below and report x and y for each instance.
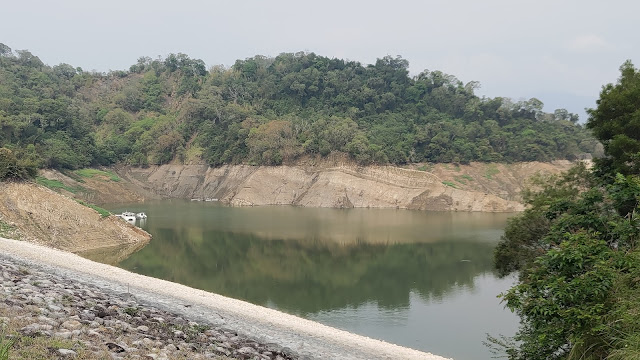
(418, 279)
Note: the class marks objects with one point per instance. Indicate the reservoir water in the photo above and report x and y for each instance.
(418, 279)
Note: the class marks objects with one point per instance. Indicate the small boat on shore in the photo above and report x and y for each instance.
(127, 216)
(141, 216)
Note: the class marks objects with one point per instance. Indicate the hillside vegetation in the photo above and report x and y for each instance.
(576, 247)
(266, 111)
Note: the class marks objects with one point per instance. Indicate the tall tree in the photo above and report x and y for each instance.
(616, 121)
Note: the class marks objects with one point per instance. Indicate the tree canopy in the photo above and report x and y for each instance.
(576, 247)
(616, 121)
(268, 111)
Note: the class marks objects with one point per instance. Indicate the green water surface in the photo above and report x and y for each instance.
(414, 278)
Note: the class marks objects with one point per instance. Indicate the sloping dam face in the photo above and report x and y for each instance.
(341, 186)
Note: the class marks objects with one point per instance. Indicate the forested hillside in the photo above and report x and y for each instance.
(267, 111)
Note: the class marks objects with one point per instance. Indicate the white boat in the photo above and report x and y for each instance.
(128, 216)
(141, 216)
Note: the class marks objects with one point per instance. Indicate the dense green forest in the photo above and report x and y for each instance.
(576, 246)
(267, 111)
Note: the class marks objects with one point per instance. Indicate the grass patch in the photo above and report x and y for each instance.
(103, 212)
(56, 185)
(5, 345)
(490, 171)
(42, 347)
(7, 231)
(132, 311)
(90, 173)
(462, 179)
(425, 167)
(191, 331)
(14, 345)
(450, 184)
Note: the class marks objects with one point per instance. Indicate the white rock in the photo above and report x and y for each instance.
(67, 353)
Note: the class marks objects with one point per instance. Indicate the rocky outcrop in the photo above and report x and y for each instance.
(475, 187)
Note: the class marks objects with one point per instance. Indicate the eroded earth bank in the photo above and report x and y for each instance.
(439, 187)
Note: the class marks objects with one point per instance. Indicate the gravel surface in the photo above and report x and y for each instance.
(265, 330)
(75, 320)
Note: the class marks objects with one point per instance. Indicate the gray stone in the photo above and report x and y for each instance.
(71, 325)
(246, 350)
(66, 353)
(142, 328)
(222, 350)
(63, 335)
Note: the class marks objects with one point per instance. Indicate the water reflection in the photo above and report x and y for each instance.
(379, 273)
(307, 277)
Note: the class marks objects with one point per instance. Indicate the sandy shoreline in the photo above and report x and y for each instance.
(307, 338)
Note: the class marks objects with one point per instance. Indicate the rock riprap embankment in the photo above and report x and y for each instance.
(49, 287)
(100, 325)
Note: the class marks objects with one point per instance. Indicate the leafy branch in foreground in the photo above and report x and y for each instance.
(576, 249)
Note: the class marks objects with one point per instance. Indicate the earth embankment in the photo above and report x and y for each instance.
(34, 213)
(441, 187)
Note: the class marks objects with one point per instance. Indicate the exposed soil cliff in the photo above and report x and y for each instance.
(445, 187)
(35, 213)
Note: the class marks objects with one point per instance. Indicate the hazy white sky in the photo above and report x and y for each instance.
(560, 52)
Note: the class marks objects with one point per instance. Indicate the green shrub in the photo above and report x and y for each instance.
(5, 343)
(11, 168)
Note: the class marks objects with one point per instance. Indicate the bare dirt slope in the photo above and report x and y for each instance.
(445, 187)
(37, 214)
(96, 189)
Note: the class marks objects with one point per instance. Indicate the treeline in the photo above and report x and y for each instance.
(267, 111)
